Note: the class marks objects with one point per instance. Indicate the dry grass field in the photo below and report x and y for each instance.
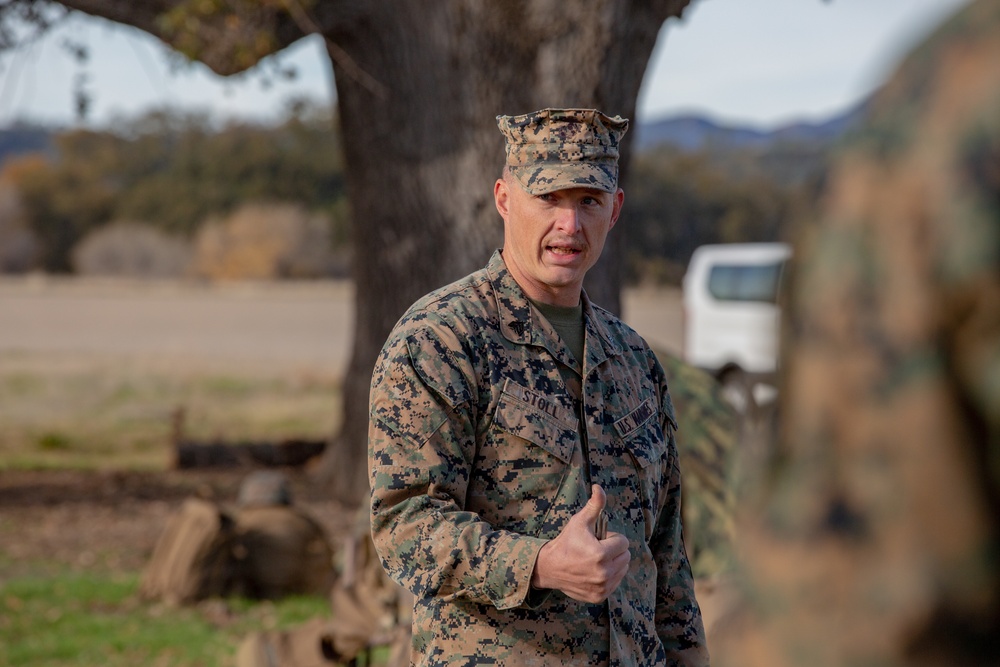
(277, 326)
(91, 371)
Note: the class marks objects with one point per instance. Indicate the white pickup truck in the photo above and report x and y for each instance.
(732, 317)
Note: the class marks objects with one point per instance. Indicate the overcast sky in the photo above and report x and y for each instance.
(759, 62)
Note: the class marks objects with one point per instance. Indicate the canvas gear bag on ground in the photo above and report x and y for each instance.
(282, 551)
(367, 609)
(258, 552)
(192, 559)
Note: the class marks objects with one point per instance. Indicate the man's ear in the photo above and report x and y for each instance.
(501, 197)
(616, 209)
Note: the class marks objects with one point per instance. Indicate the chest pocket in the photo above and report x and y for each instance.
(538, 419)
(641, 436)
(524, 464)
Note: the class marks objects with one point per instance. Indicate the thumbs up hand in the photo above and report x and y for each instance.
(577, 563)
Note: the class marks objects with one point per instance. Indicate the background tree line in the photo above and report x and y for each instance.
(171, 194)
(165, 181)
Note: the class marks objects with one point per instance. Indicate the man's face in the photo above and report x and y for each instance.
(552, 240)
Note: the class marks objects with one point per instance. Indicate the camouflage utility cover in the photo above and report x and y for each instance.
(476, 462)
(555, 149)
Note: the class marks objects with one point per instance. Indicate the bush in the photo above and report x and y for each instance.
(263, 242)
(133, 250)
(18, 244)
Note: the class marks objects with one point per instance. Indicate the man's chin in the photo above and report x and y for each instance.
(562, 278)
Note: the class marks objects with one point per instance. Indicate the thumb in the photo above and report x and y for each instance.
(594, 506)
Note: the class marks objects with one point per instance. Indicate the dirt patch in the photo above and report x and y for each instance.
(111, 520)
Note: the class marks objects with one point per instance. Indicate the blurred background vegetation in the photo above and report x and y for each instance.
(170, 194)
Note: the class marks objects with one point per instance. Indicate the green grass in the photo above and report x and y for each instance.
(72, 618)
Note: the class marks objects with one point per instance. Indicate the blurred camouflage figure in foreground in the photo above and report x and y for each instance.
(874, 540)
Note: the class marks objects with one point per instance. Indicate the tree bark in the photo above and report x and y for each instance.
(419, 84)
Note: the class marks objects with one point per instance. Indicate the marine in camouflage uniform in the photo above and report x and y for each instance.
(877, 541)
(479, 441)
(707, 430)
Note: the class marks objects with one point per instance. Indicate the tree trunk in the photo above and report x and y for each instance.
(419, 84)
(423, 148)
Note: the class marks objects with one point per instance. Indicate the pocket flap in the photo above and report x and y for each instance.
(640, 431)
(538, 419)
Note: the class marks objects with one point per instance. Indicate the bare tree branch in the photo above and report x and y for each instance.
(308, 25)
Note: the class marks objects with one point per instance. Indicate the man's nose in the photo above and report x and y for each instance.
(568, 221)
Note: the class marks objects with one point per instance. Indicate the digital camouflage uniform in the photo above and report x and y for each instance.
(877, 540)
(476, 462)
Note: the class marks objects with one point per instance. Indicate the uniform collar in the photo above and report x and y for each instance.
(520, 322)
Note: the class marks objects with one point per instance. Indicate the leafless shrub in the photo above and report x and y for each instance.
(263, 242)
(133, 250)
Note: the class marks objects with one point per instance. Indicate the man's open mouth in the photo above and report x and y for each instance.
(563, 250)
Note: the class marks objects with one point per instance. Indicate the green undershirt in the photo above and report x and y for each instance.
(568, 323)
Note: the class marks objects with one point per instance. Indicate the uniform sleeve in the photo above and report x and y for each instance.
(421, 450)
(678, 617)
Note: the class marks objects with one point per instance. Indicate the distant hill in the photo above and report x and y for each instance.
(687, 133)
(21, 139)
(693, 133)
